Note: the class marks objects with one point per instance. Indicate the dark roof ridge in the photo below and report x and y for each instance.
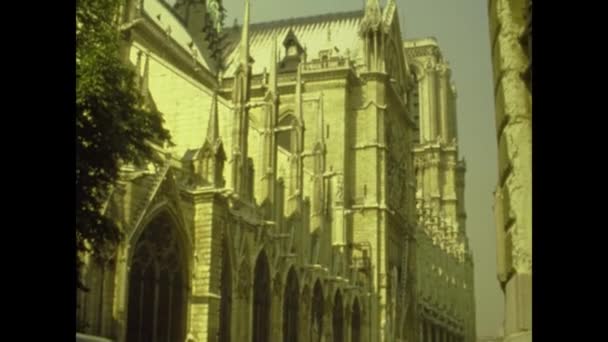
(307, 20)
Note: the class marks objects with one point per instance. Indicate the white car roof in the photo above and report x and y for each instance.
(90, 338)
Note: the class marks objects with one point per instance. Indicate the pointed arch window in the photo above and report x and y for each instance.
(290, 308)
(157, 285)
(317, 314)
(338, 318)
(286, 138)
(261, 300)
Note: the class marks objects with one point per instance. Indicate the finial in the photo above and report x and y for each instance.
(213, 130)
(272, 84)
(245, 36)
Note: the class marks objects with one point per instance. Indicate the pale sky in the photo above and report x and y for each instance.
(461, 27)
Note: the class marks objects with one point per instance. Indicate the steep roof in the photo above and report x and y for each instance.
(311, 32)
(162, 15)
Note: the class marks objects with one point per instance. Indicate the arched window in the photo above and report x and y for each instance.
(157, 285)
(261, 300)
(290, 308)
(286, 138)
(317, 314)
(338, 318)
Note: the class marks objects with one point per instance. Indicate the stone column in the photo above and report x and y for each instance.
(276, 312)
(443, 74)
(432, 101)
(453, 120)
(243, 304)
(205, 300)
(304, 312)
(423, 106)
(121, 293)
(346, 329)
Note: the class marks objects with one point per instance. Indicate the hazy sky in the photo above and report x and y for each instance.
(461, 27)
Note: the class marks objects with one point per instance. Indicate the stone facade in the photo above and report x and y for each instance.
(510, 32)
(309, 194)
(444, 261)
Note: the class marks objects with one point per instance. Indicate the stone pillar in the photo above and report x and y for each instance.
(121, 293)
(243, 304)
(276, 310)
(513, 104)
(453, 120)
(206, 271)
(432, 102)
(304, 316)
(443, 74)
(423, 109)
(347, 329)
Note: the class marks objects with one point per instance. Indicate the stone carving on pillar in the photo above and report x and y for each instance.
(339, 190)
(443, 70)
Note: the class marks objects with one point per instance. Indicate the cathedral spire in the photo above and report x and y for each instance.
(145, 81)
(244, 56)
(371, 6)
(240, 130)
(272, 82)
(213, 130)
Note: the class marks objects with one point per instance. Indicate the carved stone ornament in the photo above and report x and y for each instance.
(339, 189)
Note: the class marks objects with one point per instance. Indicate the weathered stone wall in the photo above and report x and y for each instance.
(509, 30)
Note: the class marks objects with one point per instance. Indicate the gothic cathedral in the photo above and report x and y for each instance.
(313, 190)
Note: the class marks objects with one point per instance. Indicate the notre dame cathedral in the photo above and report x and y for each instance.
(314, 190)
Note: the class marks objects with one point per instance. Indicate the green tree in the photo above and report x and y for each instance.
(113, 125)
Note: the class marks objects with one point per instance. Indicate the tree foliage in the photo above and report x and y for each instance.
(113, 125)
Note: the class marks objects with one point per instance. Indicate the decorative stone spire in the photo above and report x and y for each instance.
(240, 98)
(145, 81)
(272, 81)
(372, 18)
(213, 130)
(244, 55)
(268, 162)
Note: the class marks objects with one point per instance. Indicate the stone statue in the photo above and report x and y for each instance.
(216, 13)
(339, 190)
